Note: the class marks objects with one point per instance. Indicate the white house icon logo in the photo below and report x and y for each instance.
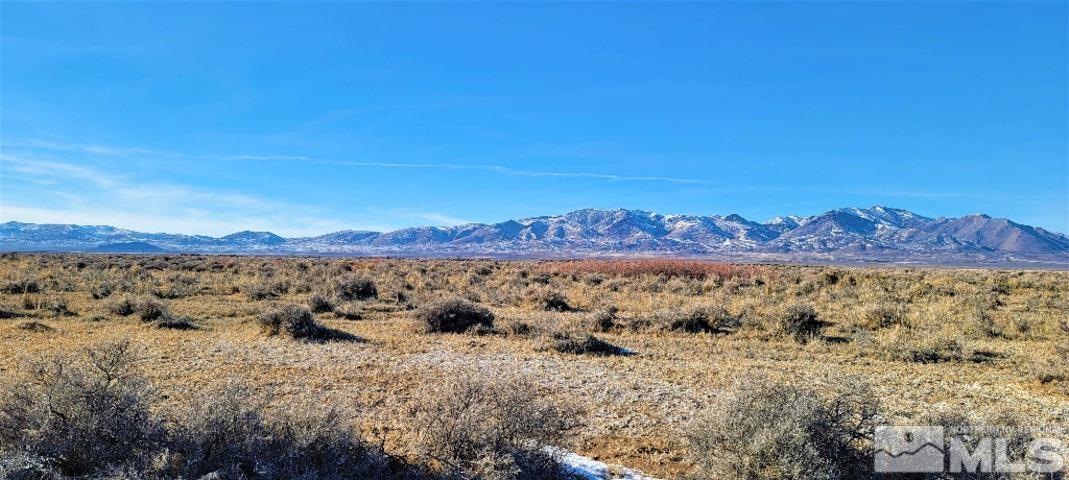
(909, 449)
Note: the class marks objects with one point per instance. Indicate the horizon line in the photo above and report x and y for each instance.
(461, 224)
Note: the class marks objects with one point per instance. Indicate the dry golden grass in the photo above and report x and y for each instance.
(984, 341)
(673, 268)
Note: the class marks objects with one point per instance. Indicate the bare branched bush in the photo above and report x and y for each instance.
(228, 431)
(765, 429)
(89, 416)
(499, 428)
(82, 412)
(829, 277)
(453, 316)
(31, 302)
(593, 279)
(219, 431)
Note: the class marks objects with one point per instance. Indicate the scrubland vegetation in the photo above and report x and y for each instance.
(249, 367)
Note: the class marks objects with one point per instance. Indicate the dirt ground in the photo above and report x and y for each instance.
(990, 343)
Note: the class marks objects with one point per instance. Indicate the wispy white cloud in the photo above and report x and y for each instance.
(299, 158)
(47, 170)
(403, 165)
(496, 169)
(19, 178)
(87, 195)
(121, 151)
(502, 170)
(97, 197)
(407, 215)
(92, 149)
(126, 151)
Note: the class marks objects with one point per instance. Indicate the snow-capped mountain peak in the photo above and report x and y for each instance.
(873, 233)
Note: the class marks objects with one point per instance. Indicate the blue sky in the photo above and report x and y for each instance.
(307, 118)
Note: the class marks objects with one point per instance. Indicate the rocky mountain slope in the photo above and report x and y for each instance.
(847, 234)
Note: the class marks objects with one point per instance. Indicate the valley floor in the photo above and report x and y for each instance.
(991, 344)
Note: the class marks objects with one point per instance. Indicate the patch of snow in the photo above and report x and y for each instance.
(587, 468)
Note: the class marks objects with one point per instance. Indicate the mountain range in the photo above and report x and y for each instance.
(874, 234)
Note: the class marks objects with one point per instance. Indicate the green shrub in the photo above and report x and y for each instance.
(265, 289)
(294, 321)
(928, 347)
(122, 306)
(985, 323)
(320, 303)
(102, 290)
(513, 326)
(797, 321)
(454, 316)
(690, 320)
(550, 300)
(349, 311)
(150, 309)
(58, 306)
(34, 326)
(884, 316)
(355, 287)
(176, 323)
(766, 429)
(578, 343)
(177, 286)
(24, 284)
(1024, 325)
(603, 320)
